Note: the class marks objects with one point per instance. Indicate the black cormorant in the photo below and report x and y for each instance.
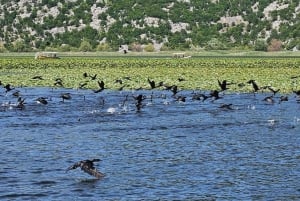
(88, 167)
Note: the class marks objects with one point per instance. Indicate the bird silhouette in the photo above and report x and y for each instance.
(8, 88)
(42, 100)
(297, 92)
(273, 90)
(88, 167)
(223, 85)
(214, 94)
(21, 103)
(85, 75)
(38, 77)
(174, 90)
(58, 82)
(200, 97)
(283, 98)
(181, 98)
(101, 87)
(226, 106)
(65, 96)
(254, 85)
(152, 83)
(139, 100)
(269, 99)
(93, 77)
(82, 85)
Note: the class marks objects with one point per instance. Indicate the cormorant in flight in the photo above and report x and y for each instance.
(88, 167)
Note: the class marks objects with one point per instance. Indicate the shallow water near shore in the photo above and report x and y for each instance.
(168, 150)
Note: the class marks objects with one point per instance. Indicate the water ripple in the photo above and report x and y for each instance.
(189, 150)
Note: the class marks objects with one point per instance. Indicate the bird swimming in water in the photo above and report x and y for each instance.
(42, 100)
(214, 94)
(65, 96)
(88, 167)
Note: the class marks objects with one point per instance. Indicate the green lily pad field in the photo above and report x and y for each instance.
(199, 73)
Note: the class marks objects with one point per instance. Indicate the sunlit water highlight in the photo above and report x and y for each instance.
(169, 150)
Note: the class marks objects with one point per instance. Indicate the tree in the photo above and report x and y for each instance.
(19, 46)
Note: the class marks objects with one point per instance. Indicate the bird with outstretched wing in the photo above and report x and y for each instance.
(88, 167)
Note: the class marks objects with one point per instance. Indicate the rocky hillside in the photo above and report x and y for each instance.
(162, 24)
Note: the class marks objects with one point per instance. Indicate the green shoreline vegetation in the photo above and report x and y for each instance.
(200, 72)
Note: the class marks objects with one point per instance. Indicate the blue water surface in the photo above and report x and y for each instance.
(169, 150)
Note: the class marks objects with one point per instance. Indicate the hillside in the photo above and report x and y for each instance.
(87, 25)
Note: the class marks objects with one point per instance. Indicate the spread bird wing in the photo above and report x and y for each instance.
(92, 171)
(72, 167)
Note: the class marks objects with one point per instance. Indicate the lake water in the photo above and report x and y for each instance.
(169, 150)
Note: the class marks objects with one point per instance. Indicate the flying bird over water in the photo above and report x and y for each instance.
(273, 90)
(38, 77)
(93, 77)
(88, 167)
(101, 87)
(254, 85)
(8, 88)
(152, 83)
(223, 85)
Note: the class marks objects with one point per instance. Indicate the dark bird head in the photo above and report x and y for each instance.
(85, 75)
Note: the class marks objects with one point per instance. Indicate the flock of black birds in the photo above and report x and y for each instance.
(174, 89)
(213, 95)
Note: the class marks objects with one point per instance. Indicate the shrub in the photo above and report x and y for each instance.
(135, 47)
(85, 46)
(2, 48)
(215, 44)
(275, 45)
(65, 48)
(103, 47)
(149, 48)
(260, 45)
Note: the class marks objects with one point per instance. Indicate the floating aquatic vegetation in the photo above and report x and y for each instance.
(197, 73)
